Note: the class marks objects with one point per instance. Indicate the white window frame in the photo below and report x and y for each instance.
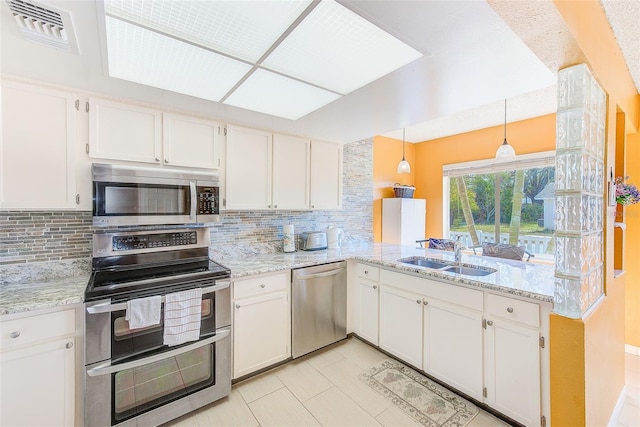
(541, 159)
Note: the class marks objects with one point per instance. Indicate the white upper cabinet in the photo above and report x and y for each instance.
(326, 175)
(249, 165)
(290, 172)
(126, 132)
(37, 163)
(189, 141)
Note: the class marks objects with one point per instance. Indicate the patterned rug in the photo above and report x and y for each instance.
(428, 403)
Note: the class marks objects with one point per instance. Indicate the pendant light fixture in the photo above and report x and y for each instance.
(505, 151)
(403, 166)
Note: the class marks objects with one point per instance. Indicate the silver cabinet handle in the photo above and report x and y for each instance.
(418, 301)
(366, 272)
(490, 322)
(275, 206)
(106, 367)
(375, 286)
(166, 161)
(69, 345)
(509, 310)
(157, 159)
(15, 334)
(262, 285)
(237, 305)
(425, 302)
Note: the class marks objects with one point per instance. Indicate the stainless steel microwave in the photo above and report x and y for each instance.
(126, 195)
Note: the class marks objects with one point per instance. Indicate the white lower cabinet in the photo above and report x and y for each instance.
(401, 324)
(37, 361)
(484, 345)
(453, 345)
(261, 322)
(367, 289)
(512, 359)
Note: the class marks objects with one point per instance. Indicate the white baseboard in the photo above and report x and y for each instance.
(631, 349)
(613, 421)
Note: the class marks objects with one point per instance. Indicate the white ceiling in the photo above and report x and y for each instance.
(475, 57)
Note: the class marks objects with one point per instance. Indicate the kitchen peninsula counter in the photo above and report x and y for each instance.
(35, 286)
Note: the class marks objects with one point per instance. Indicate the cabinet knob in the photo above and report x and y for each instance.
(262, 285)
(375, 286)
(157, 159)
(419, 301)
(166, 161)
(509, 310)
(269, 206)
(490, 322)
(275, 206)
(366, 272)
(69, 345)
(313, 206)
(425, 302)
(237, 305)
(15, 334)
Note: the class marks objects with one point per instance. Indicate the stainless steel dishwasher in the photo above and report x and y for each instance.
(319, 311)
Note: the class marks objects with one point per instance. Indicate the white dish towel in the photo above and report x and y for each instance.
(143, 312)
(182, 316)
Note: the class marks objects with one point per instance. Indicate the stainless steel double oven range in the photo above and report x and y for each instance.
(131, 377)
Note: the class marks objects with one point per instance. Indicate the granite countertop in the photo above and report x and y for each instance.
(35, 286)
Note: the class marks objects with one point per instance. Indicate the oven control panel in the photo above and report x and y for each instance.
(149, 241)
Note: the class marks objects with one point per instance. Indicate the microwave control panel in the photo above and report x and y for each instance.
(148, 241)
(208, 201)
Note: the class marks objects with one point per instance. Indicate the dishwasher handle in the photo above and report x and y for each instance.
(323, 274)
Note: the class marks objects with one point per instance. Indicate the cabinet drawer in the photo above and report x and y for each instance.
(260, 285)
(368, 272)
(512, 309)
(32, 329)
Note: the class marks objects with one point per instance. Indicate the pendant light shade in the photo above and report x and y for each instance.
(403, 166)
(505, 151)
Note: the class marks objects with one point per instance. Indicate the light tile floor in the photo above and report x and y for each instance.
(321, 389)
(630, 414)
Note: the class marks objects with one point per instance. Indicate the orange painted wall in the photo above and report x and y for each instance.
(387, 153)
(632, 246)
(527, 136)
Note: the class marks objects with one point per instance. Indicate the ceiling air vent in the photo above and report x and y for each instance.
(43, 25)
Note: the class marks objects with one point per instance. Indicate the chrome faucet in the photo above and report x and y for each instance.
(458, 246)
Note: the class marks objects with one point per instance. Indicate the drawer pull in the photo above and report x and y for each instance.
(69, 345)
(366, 272)
(490, 322)
(425, 302)
(375, 286)
(262, 285)
(418, 301)
(237, 305)
(510, 310)
(15, 334)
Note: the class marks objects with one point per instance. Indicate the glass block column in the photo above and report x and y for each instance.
(580, 204)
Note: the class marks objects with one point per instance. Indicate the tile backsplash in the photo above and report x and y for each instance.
(49, 236)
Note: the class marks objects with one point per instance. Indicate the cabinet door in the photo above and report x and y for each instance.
(401, 324)
(261, 332)
(190, 142)
(367, 320)
(124, 132)
(37, 165)
(38, 385)
(453, 345)
(512, 370)
(290, 172)
(326, 175)
(248, 165)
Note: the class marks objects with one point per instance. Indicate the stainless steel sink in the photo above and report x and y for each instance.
(424, 262)
(448, 266)
(469, 271)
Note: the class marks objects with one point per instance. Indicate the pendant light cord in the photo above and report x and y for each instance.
(505, 121)
(402, 144)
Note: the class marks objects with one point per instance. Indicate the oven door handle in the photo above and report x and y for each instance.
(107, 368)
(108, 307)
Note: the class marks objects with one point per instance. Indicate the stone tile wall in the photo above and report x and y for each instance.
(49, 236)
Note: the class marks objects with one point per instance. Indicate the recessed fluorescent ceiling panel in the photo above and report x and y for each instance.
(336, 49)
(242, 29)
(271, 93)
(205, 48)
(149, 58)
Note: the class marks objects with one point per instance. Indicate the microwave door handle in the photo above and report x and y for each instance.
(106, 367)
(194, 200)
